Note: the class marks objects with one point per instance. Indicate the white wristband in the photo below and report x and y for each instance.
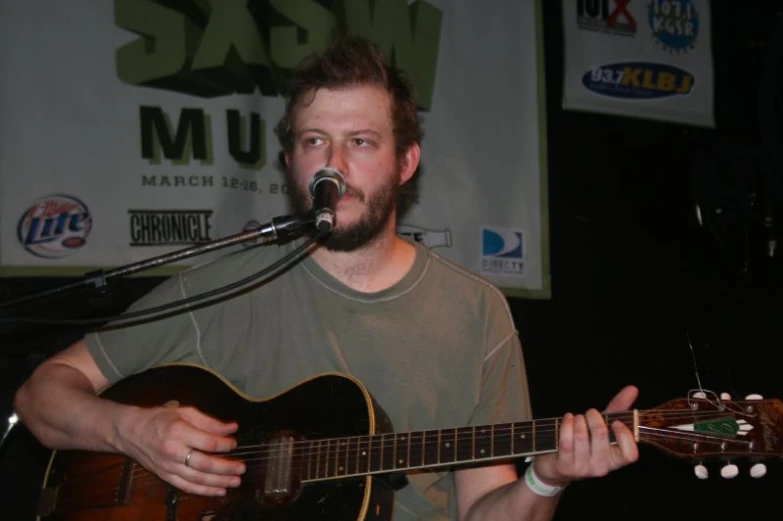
(539, 487)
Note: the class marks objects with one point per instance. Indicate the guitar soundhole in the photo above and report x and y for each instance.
(279, 482)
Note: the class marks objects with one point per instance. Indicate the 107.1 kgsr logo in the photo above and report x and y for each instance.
(54, 227)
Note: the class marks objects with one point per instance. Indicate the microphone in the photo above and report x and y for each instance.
(326, 188)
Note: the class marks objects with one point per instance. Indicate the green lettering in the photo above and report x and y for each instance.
(232, 52)
(191, 139)
(161, 57)
(409, 35)
(286, 49)
(255, 157)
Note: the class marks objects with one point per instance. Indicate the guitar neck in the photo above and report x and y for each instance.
(330, 458)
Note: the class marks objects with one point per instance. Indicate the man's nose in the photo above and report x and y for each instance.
(337, 159)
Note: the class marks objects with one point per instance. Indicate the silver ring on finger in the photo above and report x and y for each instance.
(187, 458)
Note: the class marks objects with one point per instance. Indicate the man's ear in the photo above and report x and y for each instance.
(409, 162)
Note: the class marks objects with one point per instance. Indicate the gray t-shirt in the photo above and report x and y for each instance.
(436, 350)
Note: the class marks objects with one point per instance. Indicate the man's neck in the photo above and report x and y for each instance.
(372, 268)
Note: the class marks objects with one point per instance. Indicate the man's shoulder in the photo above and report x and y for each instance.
(459, 275)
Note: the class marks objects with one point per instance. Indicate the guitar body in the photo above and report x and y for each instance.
(89, 486)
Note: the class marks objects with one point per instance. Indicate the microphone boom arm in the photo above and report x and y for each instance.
(278, 228)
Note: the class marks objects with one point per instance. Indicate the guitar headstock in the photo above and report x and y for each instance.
(706, 427)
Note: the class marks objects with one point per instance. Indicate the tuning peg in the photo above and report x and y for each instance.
(758, 470)
(729, 471)
(754, 397)
(701, 471)
(725, 397)
(700, 394)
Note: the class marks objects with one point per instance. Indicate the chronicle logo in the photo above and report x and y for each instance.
(54, 227)
(502, 251)
(674, 24)
(169, 227)
(608, 16)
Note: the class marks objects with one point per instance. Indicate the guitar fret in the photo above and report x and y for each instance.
(380, 451)
(328, 463)
(363, 454)
(318, 460)
(401, 460)
(533, 428)
(310, 460)
(483, 444)
(465, 444)
(502, 439)
(448, 449)
(408, 462)
(351, 456)
(326, 459)
(389, 451)
(416, 448)
(375, 453)
(440, 437)
(339, 467)
(430, 448)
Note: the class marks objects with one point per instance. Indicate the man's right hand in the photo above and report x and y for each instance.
(59, 404)
(182, 446)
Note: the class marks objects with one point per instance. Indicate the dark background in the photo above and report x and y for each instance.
(643, 292)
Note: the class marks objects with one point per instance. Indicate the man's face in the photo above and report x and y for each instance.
(351, 130)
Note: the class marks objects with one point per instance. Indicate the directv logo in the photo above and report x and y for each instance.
(502, 251)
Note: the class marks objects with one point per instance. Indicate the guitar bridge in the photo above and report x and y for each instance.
(47, 501)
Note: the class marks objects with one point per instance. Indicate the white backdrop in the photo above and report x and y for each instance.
(117, 121)
(648, 59)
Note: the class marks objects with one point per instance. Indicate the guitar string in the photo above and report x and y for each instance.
(374, 444)
(149, 480)
(370, 442)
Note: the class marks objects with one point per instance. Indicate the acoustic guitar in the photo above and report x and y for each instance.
(324, 450)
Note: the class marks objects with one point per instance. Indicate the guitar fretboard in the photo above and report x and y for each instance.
(382, 453)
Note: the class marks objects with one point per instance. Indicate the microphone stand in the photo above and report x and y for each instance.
(278, 228)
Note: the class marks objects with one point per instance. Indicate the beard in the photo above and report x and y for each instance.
(379, 208)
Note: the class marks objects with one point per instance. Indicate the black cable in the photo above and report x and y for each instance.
(171, 305)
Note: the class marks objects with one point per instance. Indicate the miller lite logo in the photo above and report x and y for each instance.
(54, 227)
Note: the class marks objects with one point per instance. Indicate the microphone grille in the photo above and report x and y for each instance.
(328, 174)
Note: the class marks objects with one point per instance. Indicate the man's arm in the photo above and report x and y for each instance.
(584, 451)
(495, 493)
(60, 405)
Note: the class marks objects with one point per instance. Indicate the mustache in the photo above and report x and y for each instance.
(354, 192)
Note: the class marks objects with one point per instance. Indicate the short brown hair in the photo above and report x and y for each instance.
(353, 61)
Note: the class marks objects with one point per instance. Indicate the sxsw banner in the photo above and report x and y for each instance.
(135, 128)
(648, 59)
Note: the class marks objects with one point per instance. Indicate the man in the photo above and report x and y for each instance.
(434, 344)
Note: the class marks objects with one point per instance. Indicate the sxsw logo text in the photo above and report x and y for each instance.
(223, 47)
